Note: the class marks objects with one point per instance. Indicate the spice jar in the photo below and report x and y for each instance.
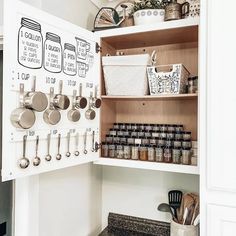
(161, 141)
(176, 155)
(147, 134)
(113, 132)
(194, 160)
(153, 141)
(193, 84)
(171, 128)
(140, 133)
(135, 152)
(109, 138)
(127, 151)
(186, 143)
(116, 126)
(143, 152)
(134, 126)
(151, 153)
(167, 154)
(179, 135)
(145, 141)
(123, 139)
(112, 150)
(159, 150)
(119, 151)
(179, 128)
(186, 156)
(128, 126)
(170, 135)
(163, 128)
(131, 140)
(141, 127)
(186, 135)
(177, 143)
(126, 132)
(134, 133)
(148, 127)
(138, 141)
(105, 152)
(116, 139)
(163, 134)
(169, 141)
(156, 128)
(122, 126)
(120, 132)
(156, 134)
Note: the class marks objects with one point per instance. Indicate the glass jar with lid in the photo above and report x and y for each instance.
(163, 134)
(126, 132)
(179, 135)
(171, 128)
(147, 134)
(148, 127)
(177, 143)
(186, 143)
(116, 139)
(186, 135)
(169, 142)
(119, 151)
(156, 128)
(186, 156)
(161, 141)
(123, 139)
(105, 152)
(113, 132)
(134, 133)
(156, 134)
(134, 126)
(143, 152)
(116, 126)
(127, 151)
(135, 152)
(128, 126)
(153, 141)
(112, 150)
(176, 155)
(170, 135)
(179, 128)
(140, 133)
(109, 138)
(168, 154)
(145, 141)
(122, 126)
(131, 140)
(159, 151)
(163, 127)
(141, 127)
(151, 153)
(120, 132)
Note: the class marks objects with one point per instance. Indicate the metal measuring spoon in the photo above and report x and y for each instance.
(76, 145)
(58, 156)
(37, 160)
(93, 141)
(48, 156)
(85, 143)
(68, 145)
(24, 162)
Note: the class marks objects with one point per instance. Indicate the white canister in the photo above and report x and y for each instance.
(183, 230)
(149, 16)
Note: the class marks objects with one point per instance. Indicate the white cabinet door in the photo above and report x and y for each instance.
(41, 47)
(218, 116)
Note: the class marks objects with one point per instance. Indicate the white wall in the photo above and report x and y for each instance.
(70, 202)
(138, 192)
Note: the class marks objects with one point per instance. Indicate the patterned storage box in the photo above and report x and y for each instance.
(170, 79)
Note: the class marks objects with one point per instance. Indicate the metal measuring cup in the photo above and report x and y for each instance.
(97, 102)
(74, 114)
(90, 114)
(51, 116)
(61, 101)
(22, 117)
(36, 100)
(81, 102)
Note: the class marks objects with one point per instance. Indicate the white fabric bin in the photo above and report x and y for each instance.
(126, 75)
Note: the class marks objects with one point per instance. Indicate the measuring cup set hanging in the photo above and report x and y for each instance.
(24, 117)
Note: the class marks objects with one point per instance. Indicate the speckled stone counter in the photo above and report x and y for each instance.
(122, 225)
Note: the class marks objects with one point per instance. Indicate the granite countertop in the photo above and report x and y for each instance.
(123, 225)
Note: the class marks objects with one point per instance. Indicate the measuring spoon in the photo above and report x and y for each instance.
(48, 156)
(61, 101)
(37, 160)
(36, 100)
(68, 145)
(85, 143)
(73, 114)
(76, 145)
(81, 102)
(24, 162)
(58, 156)
(22, 117)
(93, 141)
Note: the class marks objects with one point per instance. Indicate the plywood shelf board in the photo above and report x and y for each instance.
(185, 169)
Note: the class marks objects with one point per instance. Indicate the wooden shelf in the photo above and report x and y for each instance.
(164, 33)
(184, 169)
(152, 98)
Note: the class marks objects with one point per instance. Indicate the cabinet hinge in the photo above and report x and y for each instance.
(97, 146)
(98, 48)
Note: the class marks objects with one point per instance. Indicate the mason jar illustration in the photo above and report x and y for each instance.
(53, 53)
(30, 44)
(69, 59)
(83, 69)
(82, 48)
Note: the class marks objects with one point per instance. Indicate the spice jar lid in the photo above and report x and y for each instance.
(193, 78)
(168, 147)
(114, 129)
(178, 148)
(178, 140)
(186, 132)
(186, 148)
(126, 136)
(104, 143)
(179, 125)
(162, 138)
(186, 140)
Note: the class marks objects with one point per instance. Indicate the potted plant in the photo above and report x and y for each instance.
(148, 11)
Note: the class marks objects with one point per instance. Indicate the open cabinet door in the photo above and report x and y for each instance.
(46, 51)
